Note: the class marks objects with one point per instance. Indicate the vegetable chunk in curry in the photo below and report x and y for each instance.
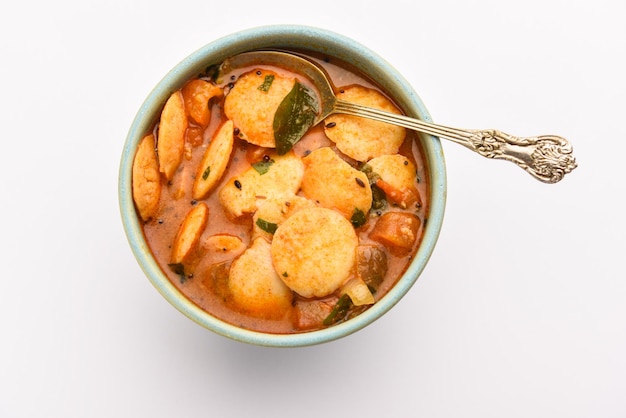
(268, 222)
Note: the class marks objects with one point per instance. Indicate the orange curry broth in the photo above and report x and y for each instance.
(206, 281)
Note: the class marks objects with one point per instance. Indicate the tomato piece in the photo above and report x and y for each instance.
(397, 230)
(310, 314)
(197, 94)
(254, 153)
(403, 198)
(371, 265)
(194, 136)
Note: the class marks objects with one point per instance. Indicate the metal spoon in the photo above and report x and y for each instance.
(547, 157)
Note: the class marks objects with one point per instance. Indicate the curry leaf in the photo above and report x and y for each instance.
(294, 116)
(340, 310)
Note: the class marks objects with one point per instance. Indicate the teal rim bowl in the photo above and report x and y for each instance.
(295, 37)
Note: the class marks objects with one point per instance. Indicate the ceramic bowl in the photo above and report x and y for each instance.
(294, 37)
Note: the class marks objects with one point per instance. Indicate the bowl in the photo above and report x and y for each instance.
(284, 37)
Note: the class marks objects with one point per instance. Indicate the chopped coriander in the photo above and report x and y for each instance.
(263, 167)
(379, 198)
(358, 218)
(372, 176)
(206, 173)
(267, 83)
(266, 226)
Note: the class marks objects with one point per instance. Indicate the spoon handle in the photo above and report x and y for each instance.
(547, 158)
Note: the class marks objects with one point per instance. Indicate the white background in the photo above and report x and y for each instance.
(521, 311)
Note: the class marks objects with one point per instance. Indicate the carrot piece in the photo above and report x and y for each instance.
(310, 314)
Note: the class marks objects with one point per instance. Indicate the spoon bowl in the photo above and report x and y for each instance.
(548, 158)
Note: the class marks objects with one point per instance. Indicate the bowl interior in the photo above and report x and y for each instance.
(294, 37)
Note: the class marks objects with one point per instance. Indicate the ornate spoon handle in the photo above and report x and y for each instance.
(547, 158)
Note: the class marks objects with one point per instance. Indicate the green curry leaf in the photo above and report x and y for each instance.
(339, 311)
(294, 116)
